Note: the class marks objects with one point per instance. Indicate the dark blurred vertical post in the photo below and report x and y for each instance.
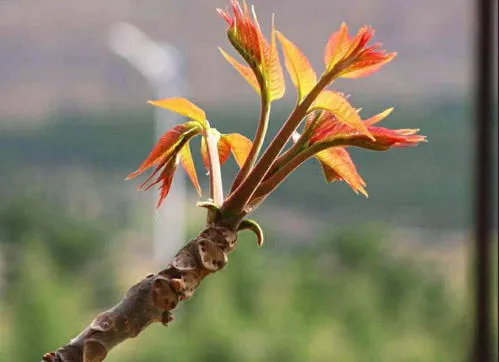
(483, 197)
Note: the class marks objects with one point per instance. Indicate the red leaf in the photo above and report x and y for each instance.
(341, 109)
(245, 71)
(166, 146)
(247, 38)
(351, 57)
(363, 68)
(338, 165)
(166, 179)
(240, 147)
(385, 138)
(272, 68)
(378, 117)
(329, 129)
(188, 165)
(336, 47)
(243, 32)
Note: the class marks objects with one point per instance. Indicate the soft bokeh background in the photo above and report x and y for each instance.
(341, 277)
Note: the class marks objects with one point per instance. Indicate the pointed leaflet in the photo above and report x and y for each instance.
(338, 165)
(362, 60)
(330, 131)
(243, 32)
(188, 165)
(350, 56)
(166, 146)
(336, 47)
(341, 108)
(272, 68)
(299, 68)
(240, 147)
(328, 125)
(245, 71)
(166, 179)
(245, 35)
(378, 117)
(387, 138)
(367, 66)
(184, 107)
(358, 42)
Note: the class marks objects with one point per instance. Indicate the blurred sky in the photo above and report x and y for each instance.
(54, 53)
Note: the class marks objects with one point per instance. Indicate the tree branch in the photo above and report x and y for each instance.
(243, 193)
(152, 299)
(259, 136)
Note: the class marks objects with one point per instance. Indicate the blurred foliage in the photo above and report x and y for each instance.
(349, 296)
(428, 186)
(41, 309)
(74, 247)
(346, 297)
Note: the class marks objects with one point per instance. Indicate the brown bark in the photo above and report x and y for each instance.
(152, 299)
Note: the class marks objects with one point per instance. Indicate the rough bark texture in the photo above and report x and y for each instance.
(152, 299)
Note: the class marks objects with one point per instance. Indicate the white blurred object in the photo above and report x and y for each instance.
(161, 65)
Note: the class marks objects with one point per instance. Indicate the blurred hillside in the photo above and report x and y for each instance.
(54, 54)
(425, 187)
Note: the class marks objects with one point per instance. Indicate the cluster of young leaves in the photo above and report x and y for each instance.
(173, 147)
(330, 123)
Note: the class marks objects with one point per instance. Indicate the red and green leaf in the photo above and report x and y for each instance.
(166, 147)
(350, 56)
(378, 117)
(338, 105)
(338, 165)
(299, 68)
(385, 138)
(188, 165)
(336, 47)
(272, 69)
(247, 38)
(245, 71)
(240, 147)
(243, 32)
(367, 65)
(331, 131)
(166, 179)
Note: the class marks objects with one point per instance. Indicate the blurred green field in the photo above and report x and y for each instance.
(352, 294)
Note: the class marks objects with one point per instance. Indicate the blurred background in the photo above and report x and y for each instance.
(341, 277)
